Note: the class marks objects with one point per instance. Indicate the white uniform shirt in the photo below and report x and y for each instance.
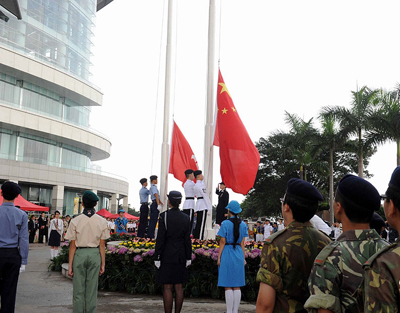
(267, 231)
(188, 186)
(319, 224)
(281, 227)
(200, 191)
(53, 225)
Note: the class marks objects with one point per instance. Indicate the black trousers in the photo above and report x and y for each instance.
(32, 235)
(43, 232)
(153, 219)
(10, 262)
(198, 232)
(144, 213)
(190, 213)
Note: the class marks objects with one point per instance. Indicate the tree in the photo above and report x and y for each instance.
(357, 119)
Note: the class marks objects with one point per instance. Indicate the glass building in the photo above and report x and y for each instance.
(46, 95)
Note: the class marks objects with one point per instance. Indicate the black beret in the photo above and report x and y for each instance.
(198, 172)
(377, 222)
(222, 183)
(188, 171)
(395, 180)
(303, 190)
(153, 177)
(10, 190)
(143, 180)
(174, 195)
(359, 193)
(89, 196)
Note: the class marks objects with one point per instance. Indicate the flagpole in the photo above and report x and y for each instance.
(167, 101)
(212, 80)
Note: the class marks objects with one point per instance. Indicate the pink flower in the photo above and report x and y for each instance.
(122, 250)
(193, 256)
(138, 258)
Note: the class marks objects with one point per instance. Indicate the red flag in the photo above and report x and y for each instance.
(239, 157)
(182, 156)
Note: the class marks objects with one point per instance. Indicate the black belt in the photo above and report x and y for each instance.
(189, 198)
(230, 244)
(146, 203)
(9, 249)
(199, 198)
(153, 200)
(87, 247)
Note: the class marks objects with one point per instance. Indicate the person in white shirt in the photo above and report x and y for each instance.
(281, 224)
(319, 224)
(56, 230)
(188, 205)
(267, 229)
(203, 204)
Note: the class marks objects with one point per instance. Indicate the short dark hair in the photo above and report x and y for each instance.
(393, 195)
(175, 203)
(302, 210)
(89, 204)
(354, 213)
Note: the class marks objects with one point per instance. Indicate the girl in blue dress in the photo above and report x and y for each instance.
(231, 260)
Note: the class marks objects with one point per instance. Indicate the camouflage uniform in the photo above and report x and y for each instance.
(286, 262)
(382, 281)
(338, 272)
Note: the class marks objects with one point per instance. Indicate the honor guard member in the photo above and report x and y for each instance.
(188, 205)
(43, 229)
(155, 202)
(382, 274)
(87, 233)
(203, 204)
(144, 208)
(288, 255)
(337, 272)
(173, 251)
(14, 245)
(120, 223)
(223, 200)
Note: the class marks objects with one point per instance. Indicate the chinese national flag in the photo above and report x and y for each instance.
(182, 156)
(239, 157)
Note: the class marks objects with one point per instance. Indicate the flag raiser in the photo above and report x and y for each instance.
(239, 157)
(182, 156)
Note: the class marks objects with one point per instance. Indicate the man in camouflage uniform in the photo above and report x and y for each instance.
(382, 271)
(337, 271)
(288, 255)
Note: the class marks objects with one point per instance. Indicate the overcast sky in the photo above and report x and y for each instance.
(274, 56)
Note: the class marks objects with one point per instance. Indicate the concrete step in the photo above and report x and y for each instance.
(64, 270)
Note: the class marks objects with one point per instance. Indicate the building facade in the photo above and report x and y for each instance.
(46, 95)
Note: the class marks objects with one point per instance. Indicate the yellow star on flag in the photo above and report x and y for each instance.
(224, 88)
(224, 111)
(233, 109)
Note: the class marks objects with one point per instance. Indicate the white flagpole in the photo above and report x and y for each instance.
(212, 80)
(168, 98)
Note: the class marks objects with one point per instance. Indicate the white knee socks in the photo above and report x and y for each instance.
(229, 300)
(237, 295)
(51, 254)
(55, 253)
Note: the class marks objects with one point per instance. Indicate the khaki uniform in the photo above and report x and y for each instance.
(87, 233)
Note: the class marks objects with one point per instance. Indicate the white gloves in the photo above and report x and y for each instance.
(188, 263)
(22, 269)
(157, 264)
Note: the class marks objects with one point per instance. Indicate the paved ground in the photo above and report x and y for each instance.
(42, 291)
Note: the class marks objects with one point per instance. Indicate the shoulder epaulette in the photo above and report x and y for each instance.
(271, 238)
(372, 258)
(325, 252)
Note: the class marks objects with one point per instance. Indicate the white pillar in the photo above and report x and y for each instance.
(57, 201)
(125, 203)
(114, 203)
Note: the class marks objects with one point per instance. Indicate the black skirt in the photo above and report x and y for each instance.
(55, 239)
(172, 274)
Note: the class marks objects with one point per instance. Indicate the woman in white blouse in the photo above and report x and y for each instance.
(56, 230)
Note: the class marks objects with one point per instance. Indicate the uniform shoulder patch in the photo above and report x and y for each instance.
(325, 252)
(271, 238)
(373, 258)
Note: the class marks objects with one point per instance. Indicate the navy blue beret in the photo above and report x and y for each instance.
(302, 190)
(143, 180)
(10, 190)
(377, 222)
(153, 177)
(89, 196)
(359, 193)
(174, 195)
(395, 180)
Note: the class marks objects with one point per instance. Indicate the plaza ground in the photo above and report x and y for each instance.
(40, 290)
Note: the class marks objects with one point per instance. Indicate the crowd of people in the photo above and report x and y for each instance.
(306, 265)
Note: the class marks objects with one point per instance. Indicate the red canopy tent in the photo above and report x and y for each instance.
(26, 205)
(105, 213)
(127, 215)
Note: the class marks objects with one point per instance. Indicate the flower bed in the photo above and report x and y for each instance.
(130, 267)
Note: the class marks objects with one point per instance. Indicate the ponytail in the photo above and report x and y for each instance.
(235, 231)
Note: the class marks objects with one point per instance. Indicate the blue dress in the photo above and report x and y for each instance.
(231, 269)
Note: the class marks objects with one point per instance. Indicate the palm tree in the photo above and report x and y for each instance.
(357, 119)
(386, 123)
(302, 136)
